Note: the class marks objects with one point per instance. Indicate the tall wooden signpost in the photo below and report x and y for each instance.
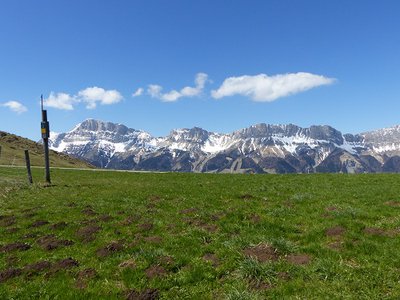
(45, 129)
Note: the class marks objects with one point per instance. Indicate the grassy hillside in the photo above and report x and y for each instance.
(13, 147)
(113, 235)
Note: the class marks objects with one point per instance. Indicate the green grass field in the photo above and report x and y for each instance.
(95, 235)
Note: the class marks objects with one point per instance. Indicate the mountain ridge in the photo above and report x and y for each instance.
(260, 148)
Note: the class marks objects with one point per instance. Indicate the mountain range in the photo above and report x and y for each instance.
(261, 148)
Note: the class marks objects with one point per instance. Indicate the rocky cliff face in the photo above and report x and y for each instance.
(262, 148)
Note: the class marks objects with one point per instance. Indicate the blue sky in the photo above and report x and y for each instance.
(302, 62)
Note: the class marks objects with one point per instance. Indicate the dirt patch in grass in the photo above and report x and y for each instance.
(31, 235)
(50, 242)
(6, 221)
(59, 225)
(375, 231)
(335, 231)
(337, 245)
(39, 223)
(298, 259)
(201, 224)
(15, 247)
(37, 267)
(393, 203)
(130, 219)
(331, 208)
(153, 239)
(148, 294)
(63, 264)
(212, 258)
(9, 274)
(110, 249)
(188, 211)
(246, 196)
(209, 227)
(89, 211)
(105, 218)
(217, 216)
(129, 264)
(154, 198)
(166, 260)
(88, 233)
(84, 277)
(12, 230)
(71, 204)
(155, 271)
(146, 226)
(262, 252)
(254, 218)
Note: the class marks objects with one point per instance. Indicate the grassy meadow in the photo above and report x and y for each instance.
(120, 235)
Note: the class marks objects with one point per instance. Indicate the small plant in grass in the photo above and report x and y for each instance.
(253, 270)
(284, 246)
(236, 294)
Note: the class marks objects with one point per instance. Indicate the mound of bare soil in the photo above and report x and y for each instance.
(212, 258)
(155, 271)
(84, 277)
(6, 221)
(87, 233)
(14, 247)
(374, 231)
(110, 249)
(299, 259)
(59, 225)
(50, 242)
(148, 294)
(262, 252)
(39, 223)
(37, 267)
(9, 274)
(153, 239)
(335, 231)
(64, 264)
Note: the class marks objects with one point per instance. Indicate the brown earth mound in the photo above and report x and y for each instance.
(59, 225)
(39, 223)
(374, 231)
(262, 252)
(212, 258)
(148, 294)
(9, 274)
(335, 231)
(110, 249)
(84, 277)
(37, 267)
(87, 233)
(298, 259)
(50, 242)
(155, 271)
(14, 247)
(6, 221)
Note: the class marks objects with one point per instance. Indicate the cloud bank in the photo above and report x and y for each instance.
(90, 96)
(264, 88)
(15, 106)
(155, 90)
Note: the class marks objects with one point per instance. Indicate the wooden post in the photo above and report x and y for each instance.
(45, 129)
(28, 166)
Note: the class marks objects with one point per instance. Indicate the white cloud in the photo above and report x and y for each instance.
(61, 101)
(95, 94)
(15, 106)
(264, 88)
(91, 96)
(139, 92)
(155, 90)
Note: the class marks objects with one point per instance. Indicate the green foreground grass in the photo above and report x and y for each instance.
(200, 236)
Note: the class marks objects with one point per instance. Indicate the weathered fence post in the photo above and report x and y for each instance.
(28, 166)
